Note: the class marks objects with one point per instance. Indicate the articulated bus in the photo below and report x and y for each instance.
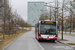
(46, 30)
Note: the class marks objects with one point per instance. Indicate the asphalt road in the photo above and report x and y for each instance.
(68, 37)
(48, 45)
(27, 41)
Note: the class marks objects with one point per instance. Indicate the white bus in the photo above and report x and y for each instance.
(46, 30)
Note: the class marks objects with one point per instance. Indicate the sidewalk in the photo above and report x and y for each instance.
(69, 39)
(24, 42)
(68, 43)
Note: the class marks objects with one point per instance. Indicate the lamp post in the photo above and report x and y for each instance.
(46, 10)
(62, 20)
(57, 10)
(53, 7)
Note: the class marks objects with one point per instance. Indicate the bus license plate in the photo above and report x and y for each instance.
(48, 39)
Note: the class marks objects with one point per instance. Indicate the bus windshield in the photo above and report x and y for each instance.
(47, 29)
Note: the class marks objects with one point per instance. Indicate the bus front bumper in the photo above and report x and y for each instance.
(47, 38)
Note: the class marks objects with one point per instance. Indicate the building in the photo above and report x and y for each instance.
(35, 9)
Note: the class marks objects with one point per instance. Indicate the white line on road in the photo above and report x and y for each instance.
(39, 44)
(37, 41)
(34, 39)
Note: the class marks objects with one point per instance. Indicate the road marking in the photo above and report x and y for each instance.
(62, 47)
(39, 44)
(37, 41)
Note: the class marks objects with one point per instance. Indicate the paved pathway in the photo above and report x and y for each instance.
(24, 42)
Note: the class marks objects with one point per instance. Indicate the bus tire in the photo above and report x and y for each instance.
(38, 40)
(53, 40)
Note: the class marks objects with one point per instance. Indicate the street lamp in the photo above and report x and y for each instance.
(55, 10)
(46, 10)
(53, 7)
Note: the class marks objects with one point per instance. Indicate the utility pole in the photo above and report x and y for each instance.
(73, 22)
(70, 18)
(55, 10)
(62, 18)
(65, 23)
(50, 12)
(46, 12)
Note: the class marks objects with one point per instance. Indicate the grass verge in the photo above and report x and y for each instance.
(71, 43)
(68, 34)
(62, 40)
(8, 39)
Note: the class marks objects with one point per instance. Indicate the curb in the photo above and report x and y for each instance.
(9, 44)
(39, 45)
(65, 44)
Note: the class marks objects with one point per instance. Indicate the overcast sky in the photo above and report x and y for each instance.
(21, 6)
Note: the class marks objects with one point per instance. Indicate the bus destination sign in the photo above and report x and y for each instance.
(47, 22)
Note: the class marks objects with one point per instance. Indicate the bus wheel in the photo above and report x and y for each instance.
(53, 40)
(38, 40)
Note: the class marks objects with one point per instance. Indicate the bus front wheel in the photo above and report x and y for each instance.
(53, 40)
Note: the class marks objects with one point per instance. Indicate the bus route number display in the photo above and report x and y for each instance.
(47, 22)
